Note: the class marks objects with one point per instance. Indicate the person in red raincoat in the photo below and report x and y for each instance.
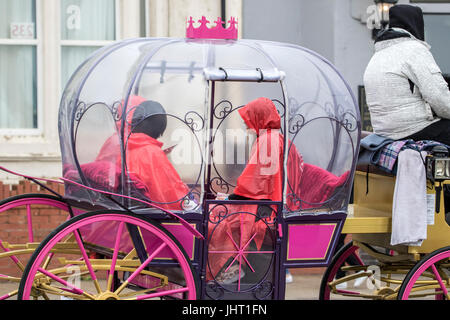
(262, 179)
(147, 163)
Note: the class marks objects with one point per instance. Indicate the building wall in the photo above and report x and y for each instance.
(336, 29)
(14, 222)
(325, 26)
(37, 152)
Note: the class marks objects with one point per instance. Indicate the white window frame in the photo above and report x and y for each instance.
(37, 42)
(38, 149)
(433, 7)
(90, 43)
(147, 16)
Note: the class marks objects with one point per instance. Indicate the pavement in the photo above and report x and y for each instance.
(305, 286)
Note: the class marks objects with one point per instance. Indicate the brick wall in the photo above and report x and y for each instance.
(14, 225)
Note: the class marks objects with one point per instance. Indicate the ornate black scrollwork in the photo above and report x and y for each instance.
(116, 110)
(292, 201)
(220, 183)
(193, 120)
(214, 291)
(263, 290)
(223, 109)
(296, 122)
(244, 253)
(342, 120)
(349, 121)
(197, 124)
(218, 213)
(191, 202)
(80, 110)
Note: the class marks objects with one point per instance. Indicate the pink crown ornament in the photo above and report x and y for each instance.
(216, 32)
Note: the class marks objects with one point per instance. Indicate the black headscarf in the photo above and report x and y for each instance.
(149, 118)
(407, 17)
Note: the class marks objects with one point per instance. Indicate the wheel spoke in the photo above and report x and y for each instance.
(9, 295)
(13, 257)
(47, 261)
(9, 278)
(139, 292)
(64, 292)
(73, 289)
(162, 293)
(114, 257)
(87, 261)
(439, 279)
(30, 225)
(141, 267)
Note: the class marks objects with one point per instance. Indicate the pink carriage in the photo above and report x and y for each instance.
(199, 202)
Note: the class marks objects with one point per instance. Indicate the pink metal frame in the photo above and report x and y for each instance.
(181, 220)
(186, 224)
(28, 202)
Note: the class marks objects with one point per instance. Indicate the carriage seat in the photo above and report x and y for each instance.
(370, 168)
(319, 185)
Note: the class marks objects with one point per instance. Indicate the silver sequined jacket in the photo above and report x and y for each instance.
(395, 111)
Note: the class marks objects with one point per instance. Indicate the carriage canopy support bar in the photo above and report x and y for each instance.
(250, 75)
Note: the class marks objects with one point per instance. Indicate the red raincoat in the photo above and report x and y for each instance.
(148, 164)
(261, 179)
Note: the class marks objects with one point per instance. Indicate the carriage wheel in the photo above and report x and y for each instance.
(338, 261)
(429, 277)
(63, 266)
(20, 232)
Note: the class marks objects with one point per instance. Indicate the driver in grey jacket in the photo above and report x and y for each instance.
(406, 93)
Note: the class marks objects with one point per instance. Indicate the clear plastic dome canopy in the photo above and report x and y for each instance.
(197, 144)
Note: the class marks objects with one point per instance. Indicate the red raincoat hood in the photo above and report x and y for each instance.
(263, 179)
(261, 114)
(133, 102)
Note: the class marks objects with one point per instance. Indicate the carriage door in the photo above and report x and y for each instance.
(242, 251)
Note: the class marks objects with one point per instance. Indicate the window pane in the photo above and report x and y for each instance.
(437, 29)
(71, 58)
(17, 19)
(88, 19)
(18, 95)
